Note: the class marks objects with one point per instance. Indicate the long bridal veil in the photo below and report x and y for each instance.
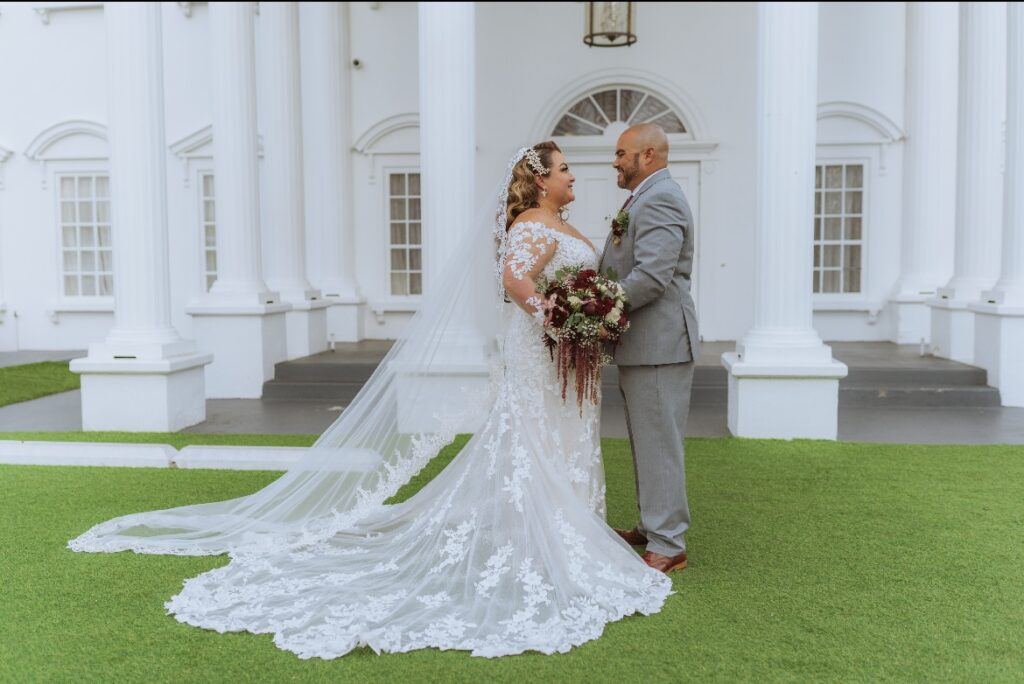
(409, 409)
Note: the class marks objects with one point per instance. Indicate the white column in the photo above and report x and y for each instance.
(999, 316)
(783, 382)
(448, 181)
(929, 172)
(328, 143)
(979, 188)
(284, 215)
(241, 321)
(143, 376)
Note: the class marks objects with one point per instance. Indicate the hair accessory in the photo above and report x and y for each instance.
(533, 159)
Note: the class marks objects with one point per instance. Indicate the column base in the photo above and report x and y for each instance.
(246, 343)
(142, 396)
(783, 401)
(345, 319)
(952, 330)
(912, 320)
(999, 336)
(306, 326)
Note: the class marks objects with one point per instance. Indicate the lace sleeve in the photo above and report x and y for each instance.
(530, 247)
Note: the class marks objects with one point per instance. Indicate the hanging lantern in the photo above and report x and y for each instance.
(609, 24)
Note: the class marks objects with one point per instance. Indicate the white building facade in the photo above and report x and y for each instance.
(302, 144)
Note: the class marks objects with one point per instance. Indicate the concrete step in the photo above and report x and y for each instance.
(285, 390)
(919, 396)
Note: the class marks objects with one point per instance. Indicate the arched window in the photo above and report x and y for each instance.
(591, 114)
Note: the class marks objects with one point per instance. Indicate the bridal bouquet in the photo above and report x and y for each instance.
(582, 301)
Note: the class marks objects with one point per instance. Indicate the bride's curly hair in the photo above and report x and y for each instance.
(523, 193)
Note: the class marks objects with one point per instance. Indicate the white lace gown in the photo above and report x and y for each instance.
(505, 551)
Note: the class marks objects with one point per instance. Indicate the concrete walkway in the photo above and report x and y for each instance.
(945, 425)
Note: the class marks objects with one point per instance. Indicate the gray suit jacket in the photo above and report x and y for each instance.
(653, 263)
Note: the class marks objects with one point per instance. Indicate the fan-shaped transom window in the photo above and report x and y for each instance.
(590, 115)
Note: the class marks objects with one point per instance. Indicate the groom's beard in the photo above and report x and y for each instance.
(629, 173)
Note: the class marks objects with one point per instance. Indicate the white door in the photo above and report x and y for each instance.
(598, 198)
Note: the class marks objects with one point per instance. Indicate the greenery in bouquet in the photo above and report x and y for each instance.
(582, 303)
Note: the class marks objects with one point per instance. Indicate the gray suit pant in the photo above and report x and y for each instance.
(657, 406)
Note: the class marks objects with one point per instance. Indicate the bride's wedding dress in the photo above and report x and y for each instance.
(505, 551)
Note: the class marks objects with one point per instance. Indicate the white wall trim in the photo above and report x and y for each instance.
(681, 102)
(866, 115)
(383, 128)
(36, 149)
(191, 147)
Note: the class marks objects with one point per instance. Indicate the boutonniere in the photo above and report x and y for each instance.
(620, 224)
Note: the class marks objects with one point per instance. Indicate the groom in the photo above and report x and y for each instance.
(651, 249)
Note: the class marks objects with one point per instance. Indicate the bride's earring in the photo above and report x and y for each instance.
(543, 192)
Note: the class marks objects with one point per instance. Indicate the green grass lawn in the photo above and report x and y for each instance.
(810, 561)
(34, 380)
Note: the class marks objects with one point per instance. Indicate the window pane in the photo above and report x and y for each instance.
(415, 263)
(397, 184)
(817, 256)
(70, 261)
(831, 256)
(399, 284)
(830, 281)
(210, 280)
(67, 212)
(608, 101)
(414, 184)
(211, 261)
(833, 176)
(817, 177)
(103, 211)
(85, 212)
(103, 186)
(630, 100)
(851, 278)
(415, 283)
(853, 228)
(817, 228)
(855, 176)
(833, 202)
(398, 260)
(88, 286)
(816, 280)
(398, 233)
(210, 237)
(586, 110)
(106, 285)
(104, 235)
(671, 123)
(106, 260)
(832, 228)
(84, 187)
(71, 286)
(414, 209)
(572, 126)
(397, 209)
(69, 238)
(209, 211)
(817, 203)
(852, 256)
(87, 235)
(88, 261)
(651, 108)
(414, 234)
(853, 202)
(208, 184)
(67, 188)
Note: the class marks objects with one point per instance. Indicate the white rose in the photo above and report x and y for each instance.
(613, 316)
(574, 300)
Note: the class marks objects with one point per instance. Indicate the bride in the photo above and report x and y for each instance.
(505, 551)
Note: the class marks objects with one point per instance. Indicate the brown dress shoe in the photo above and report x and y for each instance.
(665, 564)
(633, 537)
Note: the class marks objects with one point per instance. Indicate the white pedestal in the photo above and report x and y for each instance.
(246, 343)
(783, 402)
(913, 320)
(345, 320)
(163, 395)
(999, 348)
(306, 326)
(455, 392)
(952, 330)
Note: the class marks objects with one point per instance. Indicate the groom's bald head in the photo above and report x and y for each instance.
(640, 151)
